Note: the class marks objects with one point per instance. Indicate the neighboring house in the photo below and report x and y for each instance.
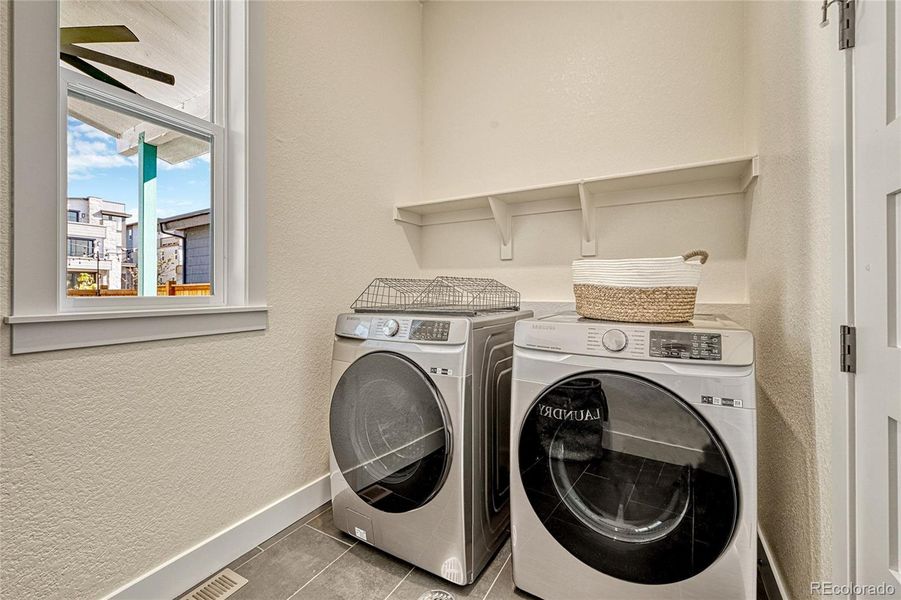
(183, 248)
(193, 230)
(95, 243)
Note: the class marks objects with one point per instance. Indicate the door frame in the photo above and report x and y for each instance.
(843, 506)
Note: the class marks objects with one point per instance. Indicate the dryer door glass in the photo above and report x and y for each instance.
(628, 477)
(389, 432)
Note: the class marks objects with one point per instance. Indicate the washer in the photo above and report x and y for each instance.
(634, 460)
(420, 426)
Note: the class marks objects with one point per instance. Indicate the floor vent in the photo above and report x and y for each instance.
(437, 595)
(220, 586)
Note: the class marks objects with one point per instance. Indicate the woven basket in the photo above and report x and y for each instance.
(646, 290)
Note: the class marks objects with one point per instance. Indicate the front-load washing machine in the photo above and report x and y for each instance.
(420, 427)
(633, 471)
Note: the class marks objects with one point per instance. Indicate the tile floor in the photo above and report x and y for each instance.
(313, 560)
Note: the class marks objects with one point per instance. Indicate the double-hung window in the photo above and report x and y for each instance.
(135, 137)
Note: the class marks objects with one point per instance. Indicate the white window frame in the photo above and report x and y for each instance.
(43, 317)
(72, 82)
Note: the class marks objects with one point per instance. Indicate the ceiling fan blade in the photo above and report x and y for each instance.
(96, 34)
(91, 70)
(118, 63)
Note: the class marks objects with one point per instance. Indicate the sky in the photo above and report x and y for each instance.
(96, 169)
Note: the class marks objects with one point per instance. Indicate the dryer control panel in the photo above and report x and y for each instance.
(687, 345)
(429, 330)
(712, 340)
(404, 328)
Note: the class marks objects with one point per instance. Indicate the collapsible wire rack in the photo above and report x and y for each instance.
(390, 294)
(457, 295)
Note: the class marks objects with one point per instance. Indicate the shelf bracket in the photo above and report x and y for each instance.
(750, 173)
(589, 241)
(406, 216)
(504, 221)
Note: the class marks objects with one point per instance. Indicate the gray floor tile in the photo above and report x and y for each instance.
(326, 524)
(293, 526)
(503, 588)
(420, 581)
(285, 567)
(363, 573)
(243, 558)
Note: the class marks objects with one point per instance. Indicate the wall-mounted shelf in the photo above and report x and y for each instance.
(699, 180)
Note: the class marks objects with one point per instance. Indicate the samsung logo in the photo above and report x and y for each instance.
(562, 414)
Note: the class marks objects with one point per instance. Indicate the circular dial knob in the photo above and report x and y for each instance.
(390, 327)
(614, 340)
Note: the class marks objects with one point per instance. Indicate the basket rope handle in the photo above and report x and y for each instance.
(695, 254)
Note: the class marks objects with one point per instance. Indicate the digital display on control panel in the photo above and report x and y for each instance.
(429, 331)
(688, 345)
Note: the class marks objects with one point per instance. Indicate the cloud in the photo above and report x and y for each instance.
(90, 150)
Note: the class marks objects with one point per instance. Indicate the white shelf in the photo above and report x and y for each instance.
(699, 180)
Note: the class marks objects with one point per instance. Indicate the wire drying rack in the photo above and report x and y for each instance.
(457, 295)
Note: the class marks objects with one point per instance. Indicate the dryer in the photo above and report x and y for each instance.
(634, 460)
(419, 427)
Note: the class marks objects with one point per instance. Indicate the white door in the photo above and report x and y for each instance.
(877, 291)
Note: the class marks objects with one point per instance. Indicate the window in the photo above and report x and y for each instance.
(156, 176)
(80, 247)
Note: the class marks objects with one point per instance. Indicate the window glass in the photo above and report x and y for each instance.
(117, 163)
(166, 44)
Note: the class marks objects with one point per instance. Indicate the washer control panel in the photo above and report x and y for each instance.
(428, 330)
(687, 345)
(708, 339)
(400, 328)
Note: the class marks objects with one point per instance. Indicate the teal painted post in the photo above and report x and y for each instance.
(147, 249)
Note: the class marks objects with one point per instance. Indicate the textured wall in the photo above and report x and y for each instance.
(520, 94)
(116, 459)
(106, 477)
(788, 115)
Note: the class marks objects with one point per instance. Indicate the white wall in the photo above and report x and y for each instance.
(789, 118)
(519, 94)
(117, 459)
(100, 484)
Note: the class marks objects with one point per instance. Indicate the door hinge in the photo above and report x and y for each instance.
(847, 21)
(848, 349)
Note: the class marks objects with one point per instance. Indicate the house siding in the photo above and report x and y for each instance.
(197, 254)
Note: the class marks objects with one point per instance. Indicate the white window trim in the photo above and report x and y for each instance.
(43, 317)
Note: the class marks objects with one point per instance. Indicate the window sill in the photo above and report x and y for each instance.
(42, 333)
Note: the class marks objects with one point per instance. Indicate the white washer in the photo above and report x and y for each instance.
(634, 460)
(419, 426)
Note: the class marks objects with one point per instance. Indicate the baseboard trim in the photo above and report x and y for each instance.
(190, 567)
(770, 572)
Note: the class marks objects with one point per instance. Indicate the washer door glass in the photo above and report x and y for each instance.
(389, 432)
(628, 477)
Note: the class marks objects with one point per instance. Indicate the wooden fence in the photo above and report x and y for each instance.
(169, 289)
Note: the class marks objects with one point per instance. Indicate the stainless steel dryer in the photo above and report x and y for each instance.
(420, 427)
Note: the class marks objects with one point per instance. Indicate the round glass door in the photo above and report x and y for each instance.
(389, 432)
(628, 477)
